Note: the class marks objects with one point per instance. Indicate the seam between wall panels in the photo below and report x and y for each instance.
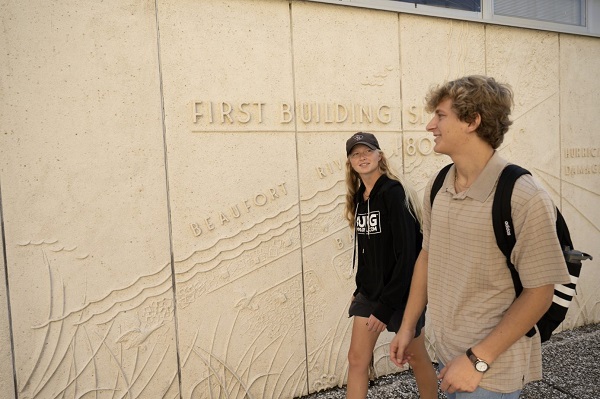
(8, 307)
(293, 71)
(170, 225)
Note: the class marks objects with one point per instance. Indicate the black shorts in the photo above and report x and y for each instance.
(363, 307)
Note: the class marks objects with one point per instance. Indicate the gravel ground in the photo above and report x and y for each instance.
(570, 372)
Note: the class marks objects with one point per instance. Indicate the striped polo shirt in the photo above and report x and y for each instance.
(469, 284)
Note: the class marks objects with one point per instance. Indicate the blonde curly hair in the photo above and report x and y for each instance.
(477, 95)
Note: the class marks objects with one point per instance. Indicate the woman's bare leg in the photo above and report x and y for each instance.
(362, 344)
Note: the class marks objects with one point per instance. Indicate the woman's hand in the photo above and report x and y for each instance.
(374, 325)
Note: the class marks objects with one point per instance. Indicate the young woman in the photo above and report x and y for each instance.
(385, 214)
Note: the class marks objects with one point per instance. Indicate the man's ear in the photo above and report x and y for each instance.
(473, 126)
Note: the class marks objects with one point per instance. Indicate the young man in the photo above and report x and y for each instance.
(461, 274)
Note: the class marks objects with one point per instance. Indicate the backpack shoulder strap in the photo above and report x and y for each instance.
(439, 181)
(564, 237)
(504, 229)
(501, 209)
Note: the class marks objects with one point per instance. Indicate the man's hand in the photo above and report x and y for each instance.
(459, 375)
(400, 342)
(375, 325)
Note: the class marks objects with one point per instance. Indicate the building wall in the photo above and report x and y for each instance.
(172, 181)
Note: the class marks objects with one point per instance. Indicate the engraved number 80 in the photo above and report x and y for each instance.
(423, 145)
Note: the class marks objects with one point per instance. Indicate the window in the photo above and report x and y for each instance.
(580, 17)
(466, 5)
(570, 12)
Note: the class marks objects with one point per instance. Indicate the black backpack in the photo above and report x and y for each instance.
(505, 239)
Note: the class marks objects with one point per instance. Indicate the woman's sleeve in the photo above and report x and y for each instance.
(404, 230)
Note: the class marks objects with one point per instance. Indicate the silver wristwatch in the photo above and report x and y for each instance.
(479, 364)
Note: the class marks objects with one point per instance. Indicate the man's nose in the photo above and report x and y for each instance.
(431, 125)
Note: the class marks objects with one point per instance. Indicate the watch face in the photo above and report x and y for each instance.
(481, 366)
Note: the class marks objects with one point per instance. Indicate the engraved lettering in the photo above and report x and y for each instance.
(305, 112)
(330, 168)
(341, 110)
(412, 111)
(244, 112)
(223, 218)
(574, 170)
(257, 200)
(582, 152)
(283, 189)
(340, 243)
(328, 118)
(398, 147)
(368, 112)
(235, 211)
(411, 149)
(260, 111)
(428, 147)
(260, 199)
(196, 230)
(420, 145)
(320, 172)
(286, 113)
(247, 112)
(209, 224)
(225, 112)
(273, 193)
(195, 113)
(384, 115)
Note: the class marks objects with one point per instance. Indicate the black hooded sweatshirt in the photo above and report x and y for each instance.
(389, 239)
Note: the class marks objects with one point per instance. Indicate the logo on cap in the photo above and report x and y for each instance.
(358, 137)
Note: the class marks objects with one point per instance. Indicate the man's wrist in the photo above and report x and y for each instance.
(407, 329)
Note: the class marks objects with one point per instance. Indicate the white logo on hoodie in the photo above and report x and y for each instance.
(368, 223)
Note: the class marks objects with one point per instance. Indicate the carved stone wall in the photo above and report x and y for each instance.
(172, 181)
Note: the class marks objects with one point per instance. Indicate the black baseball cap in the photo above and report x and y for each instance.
(367, 139)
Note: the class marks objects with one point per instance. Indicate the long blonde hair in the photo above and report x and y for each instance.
(412, 201)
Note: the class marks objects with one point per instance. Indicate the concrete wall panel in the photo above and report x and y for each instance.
(227, 78)
(351, 72)
(346, 73)
(526, 61)
(580, 165)
(432, 50)
(84, 200)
